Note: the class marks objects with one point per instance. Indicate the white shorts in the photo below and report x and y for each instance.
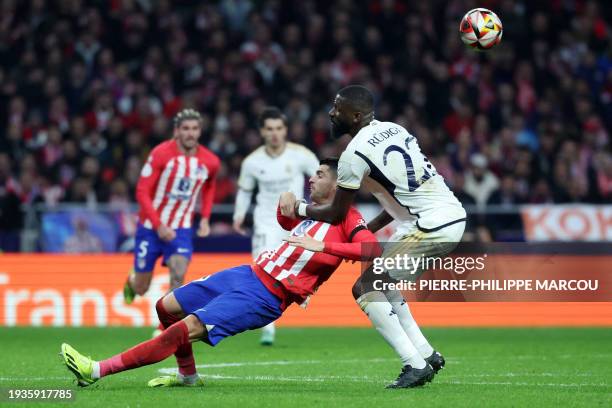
(267, 240)
(413, 241)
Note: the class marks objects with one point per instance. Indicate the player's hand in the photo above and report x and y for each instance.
(237, 225)
(166, 233)
(287, 204)
(204, 229)
(306, 242)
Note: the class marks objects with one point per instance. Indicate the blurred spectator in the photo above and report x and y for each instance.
(83, 100)
(502, 224)
(82, 241)
(10, 213)
(480, 182)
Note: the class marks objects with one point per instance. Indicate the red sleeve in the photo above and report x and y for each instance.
(208, 190)
(287, 223)
(147, 183)
(361, 243)
(364, 247)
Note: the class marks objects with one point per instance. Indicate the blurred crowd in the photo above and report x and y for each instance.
(87, 88)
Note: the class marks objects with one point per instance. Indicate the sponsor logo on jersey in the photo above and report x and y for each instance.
(184, 184)
(300, 230)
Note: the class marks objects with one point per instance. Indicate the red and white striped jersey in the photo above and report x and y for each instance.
(170, 182)
(300, 271)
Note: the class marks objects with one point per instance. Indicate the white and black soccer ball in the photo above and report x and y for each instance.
(481, 29)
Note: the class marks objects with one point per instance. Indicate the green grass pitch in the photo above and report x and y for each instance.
(330, 367)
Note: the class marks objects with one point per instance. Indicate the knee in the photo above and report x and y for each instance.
(178, 266)
(195, 327)
(159, 308)
(140, 288)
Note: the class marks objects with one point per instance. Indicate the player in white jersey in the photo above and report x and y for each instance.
(277, 166)
(386, 160)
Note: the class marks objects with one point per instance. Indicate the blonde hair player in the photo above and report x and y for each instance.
(176, 173)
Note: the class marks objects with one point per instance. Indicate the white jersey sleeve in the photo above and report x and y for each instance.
(351, 170)
(247, 180)
(246, 184)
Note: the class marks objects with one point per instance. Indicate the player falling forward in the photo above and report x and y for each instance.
(275, 167)
(167, 190)
(245, 297)
(385, 159)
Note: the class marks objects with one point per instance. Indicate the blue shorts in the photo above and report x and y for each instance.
(229, 302)
(148, 247)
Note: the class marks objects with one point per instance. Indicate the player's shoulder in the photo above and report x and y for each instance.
(208, 155)
(298, 148)
(254, 155)
(351, 151)
(354, 217)
(164, 151)
(165, 147)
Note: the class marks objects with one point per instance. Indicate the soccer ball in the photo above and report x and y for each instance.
(481, 29)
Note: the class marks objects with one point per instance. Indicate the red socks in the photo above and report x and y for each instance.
(184, 354)
(148, 352)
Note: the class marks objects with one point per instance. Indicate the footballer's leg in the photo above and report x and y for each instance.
(140, 282)
(88, 371)
(178, 268)
(147, 249)
(416, 371)
(236, 301)
(431, 244)
(176, 256)
(169, 311)
(190, 299)
(268, 333)
(175, 339)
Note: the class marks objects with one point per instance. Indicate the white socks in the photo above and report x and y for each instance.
(269, 329)
(95, 374)
(380, 312)
(188, 379)
(410, 326)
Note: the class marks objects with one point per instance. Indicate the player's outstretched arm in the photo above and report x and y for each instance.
(380, 221)
(241, 206)
(363, 247)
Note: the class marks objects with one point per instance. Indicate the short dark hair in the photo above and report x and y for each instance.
(358, 97)
(271, 112)
(187, 114)
(331, 162)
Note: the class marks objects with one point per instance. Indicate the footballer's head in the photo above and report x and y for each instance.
(187, 128)
(353, 108)
(323, 182)
(273, 127)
